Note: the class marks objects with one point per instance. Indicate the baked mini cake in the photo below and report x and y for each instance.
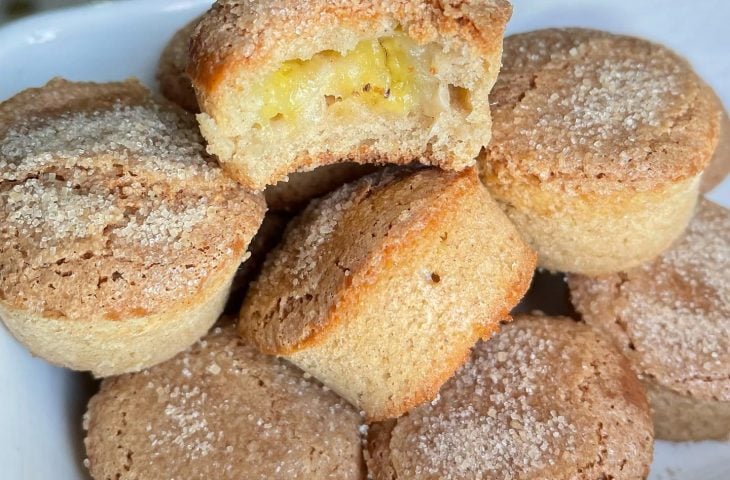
(381, 288)
(174, 82)
(671, 318)
(290, 85)
(545, 398)
(719, 166)
(119, 236)
(221, 410)
(598, 146)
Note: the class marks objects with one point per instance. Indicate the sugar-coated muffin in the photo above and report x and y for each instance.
(671, 317)
(598, 146)
(174, 82)
(546, 398)
(289, 85)
(119, 236)
(381, 288)
(221, 410)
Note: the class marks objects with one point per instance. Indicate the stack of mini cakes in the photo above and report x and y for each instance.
(409, 204)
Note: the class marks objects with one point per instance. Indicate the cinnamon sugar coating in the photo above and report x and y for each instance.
(109, 205)
(586, 111)
(544, 398)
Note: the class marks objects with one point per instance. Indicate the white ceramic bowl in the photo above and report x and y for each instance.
(41, 406)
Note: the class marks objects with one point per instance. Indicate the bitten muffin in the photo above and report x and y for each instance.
(119, 236)
(546, 398)
(290, 194)
(671, 318)
(289, 85)
(174, 82)
(719, 166)
(598, 146)
(380, 289)
(221, 410)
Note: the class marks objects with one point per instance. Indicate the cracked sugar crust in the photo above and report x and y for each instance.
(586, 111)
(109, 206)
(672, 316)
(545, 398)
(221, 410)
(257, 32)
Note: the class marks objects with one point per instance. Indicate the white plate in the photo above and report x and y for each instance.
(41, 406)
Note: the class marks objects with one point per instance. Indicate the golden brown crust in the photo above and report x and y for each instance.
(671, 317)
(545, 398)
(682, 418)
(586, 111)
(221, 410)
(236, 32)
(110, 207)
(719, 166)
(175, 85)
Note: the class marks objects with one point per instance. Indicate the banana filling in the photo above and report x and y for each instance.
(392, 75)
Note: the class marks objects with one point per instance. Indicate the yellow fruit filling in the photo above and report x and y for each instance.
(392, 74)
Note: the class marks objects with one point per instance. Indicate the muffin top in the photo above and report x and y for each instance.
(585, 111)
(672, 316)
(719, 166)
(109, 206)
(221, 410)
(545, 398)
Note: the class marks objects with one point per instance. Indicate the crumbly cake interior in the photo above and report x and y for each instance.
(114, 208)
(672, 316)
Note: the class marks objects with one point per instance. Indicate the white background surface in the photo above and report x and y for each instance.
(41, 406)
